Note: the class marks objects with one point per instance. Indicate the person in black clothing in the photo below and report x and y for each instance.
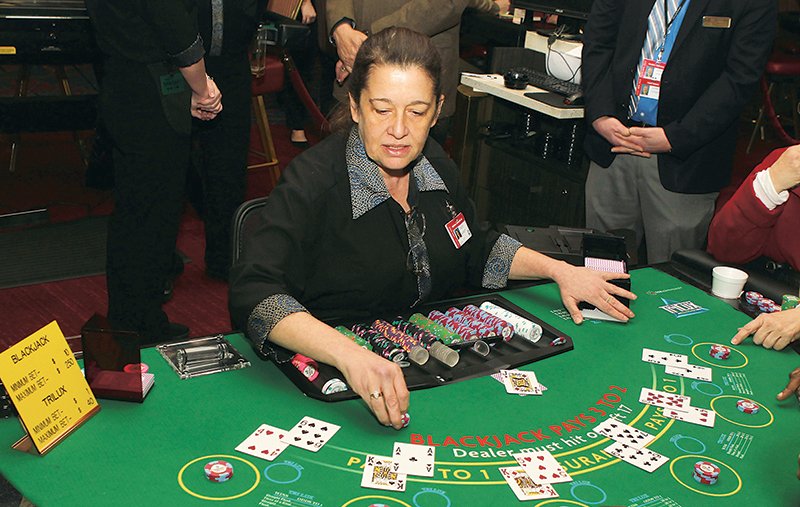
(154, 83)
(222, 144)
(358, 225)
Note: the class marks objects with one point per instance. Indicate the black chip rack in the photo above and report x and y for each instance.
(503, 354)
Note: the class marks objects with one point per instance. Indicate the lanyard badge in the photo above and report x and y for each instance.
(649, 83)
(457, 227)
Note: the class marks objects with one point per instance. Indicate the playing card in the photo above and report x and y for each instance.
(645, 459)
(520, 382)
(523, 486)
(412, 459)
(542, 467)
(662, 399)
(378, 474)
(621, 432)
(264, 442)
(500, 378)
(694, 415)
(694, 371)
(664, 358)
(310, 434)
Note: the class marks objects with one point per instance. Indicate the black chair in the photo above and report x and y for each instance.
(246, 219)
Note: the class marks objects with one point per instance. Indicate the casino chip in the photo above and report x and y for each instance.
(705, 472)
(719, 351)
(406, 419)
(135, 368)
(748, 407)
(218, 471)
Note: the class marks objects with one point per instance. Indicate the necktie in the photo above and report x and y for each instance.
(656, 34)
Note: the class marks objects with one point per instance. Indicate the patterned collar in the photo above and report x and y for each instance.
(367, 188)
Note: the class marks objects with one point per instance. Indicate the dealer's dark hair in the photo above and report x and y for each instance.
(395, 46)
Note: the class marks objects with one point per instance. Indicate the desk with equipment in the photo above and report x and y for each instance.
(166, 450)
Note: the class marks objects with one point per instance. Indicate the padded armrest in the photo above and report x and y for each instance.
(697, 265)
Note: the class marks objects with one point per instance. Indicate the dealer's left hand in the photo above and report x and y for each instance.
(771, 330)
(651, 139)
(582, 284)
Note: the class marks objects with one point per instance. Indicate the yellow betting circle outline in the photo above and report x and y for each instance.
(674, 476)
(771, 416)
(376, 497)
(562, 501)
(202, 497)
(746, 360)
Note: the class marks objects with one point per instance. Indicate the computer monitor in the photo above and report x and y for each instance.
(572, 14)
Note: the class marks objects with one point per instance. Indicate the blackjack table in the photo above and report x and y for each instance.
(154, 453)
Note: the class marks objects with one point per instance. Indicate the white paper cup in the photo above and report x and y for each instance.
(727, 282)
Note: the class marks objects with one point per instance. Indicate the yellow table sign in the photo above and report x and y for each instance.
(46, 385)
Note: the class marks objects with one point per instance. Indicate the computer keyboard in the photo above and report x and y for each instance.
(549, 83)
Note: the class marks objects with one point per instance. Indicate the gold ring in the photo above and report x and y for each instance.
(608, 299)
(375, 395)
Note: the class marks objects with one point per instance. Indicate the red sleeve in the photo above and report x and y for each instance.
(742, 227)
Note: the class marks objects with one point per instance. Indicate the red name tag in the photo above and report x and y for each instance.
(458, 230)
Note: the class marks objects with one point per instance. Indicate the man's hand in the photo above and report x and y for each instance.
(785, 172)
(619, 136)
(307, 12)
(792, 386)
(583, 284)
(341, 73)
(771, 330)
(348, 41)
(651, 139)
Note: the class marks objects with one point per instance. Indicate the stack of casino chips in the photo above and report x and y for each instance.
(747, 406)
(720, 352)
(789, 301)
(758, 300)
(705, 472)
(218, 471)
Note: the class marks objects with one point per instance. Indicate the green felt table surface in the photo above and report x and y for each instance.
(153, 453)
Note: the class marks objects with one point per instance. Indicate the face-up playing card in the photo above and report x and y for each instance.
(621, 432)
(664, 358)
(520, 382)
(662, 399)
(542, 467)
(694, 415)
(523, 486)
(378, 474)
(310, 434)
(501, 378)
(645, 459)
(690, 371)
(412, 459)
(265, 442)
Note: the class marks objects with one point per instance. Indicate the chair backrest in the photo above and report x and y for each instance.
(245, 220)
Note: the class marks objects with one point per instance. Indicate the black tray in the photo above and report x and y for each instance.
(502, 356)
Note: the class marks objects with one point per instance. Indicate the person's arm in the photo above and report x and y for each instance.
(308, 14)
(340, 15)
(771, 330)
(741, 229)
(721, 103)
(429, 17)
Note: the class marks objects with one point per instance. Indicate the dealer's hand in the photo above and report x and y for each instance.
(582, 284)
(771, 330)
(380, 383)
(619, 136)
(348, 41)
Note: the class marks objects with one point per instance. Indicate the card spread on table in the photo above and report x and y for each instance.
(621, 432)
(378, 474)
(662, 399)
(520, 382)
(265, 442)
(310, 434)
(413, 459)
(664, 358)
(694, 371)
(645, 459)
(523, 486)
(542, 467)
(501, 378)
(694, 415)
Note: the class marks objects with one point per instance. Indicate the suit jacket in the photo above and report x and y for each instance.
(438, 19)
(710, 76)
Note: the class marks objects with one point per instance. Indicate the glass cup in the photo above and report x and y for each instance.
(258, 52)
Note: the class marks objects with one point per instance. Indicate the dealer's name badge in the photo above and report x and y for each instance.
(458, 230)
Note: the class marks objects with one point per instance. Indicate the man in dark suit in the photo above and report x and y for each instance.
(658, 162)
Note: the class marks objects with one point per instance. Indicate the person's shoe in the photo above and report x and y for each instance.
(298, 138)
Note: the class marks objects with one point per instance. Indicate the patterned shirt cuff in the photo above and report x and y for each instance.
(498, 265)
(190, 55)
(267, 314)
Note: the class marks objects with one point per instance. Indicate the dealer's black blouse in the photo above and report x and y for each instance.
(333, 241)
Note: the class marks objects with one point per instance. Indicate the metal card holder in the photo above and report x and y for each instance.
(202, 356)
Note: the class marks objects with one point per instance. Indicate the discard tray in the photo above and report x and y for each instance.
(502, 354)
